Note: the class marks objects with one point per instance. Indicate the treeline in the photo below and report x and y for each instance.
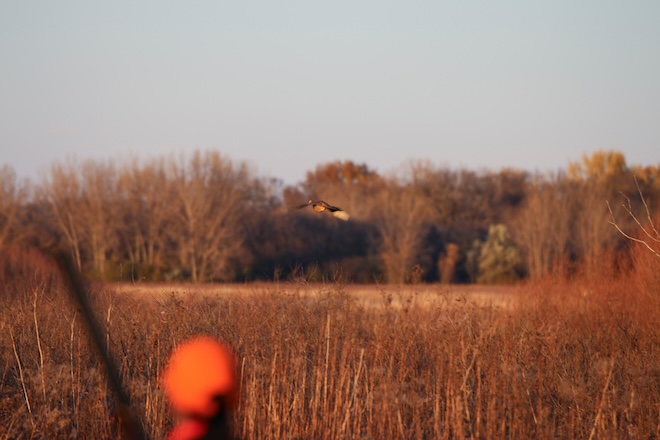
(204, 217)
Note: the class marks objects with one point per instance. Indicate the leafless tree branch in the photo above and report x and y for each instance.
(650, 231)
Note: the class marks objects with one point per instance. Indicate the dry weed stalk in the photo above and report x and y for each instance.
(22, 377)
(650, 232)
(601, 404)
(38, 339)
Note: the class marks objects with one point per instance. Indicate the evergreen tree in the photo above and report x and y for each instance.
(499, 259)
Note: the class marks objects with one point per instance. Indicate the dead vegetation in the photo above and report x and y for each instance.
(574, 359)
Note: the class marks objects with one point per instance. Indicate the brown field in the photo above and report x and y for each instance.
(371, 295)
(552, 359)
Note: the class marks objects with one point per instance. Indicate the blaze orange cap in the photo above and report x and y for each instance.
(199, 370)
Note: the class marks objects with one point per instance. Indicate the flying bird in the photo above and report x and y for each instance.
(320, 206)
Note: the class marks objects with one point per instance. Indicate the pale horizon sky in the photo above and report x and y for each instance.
(289, 85)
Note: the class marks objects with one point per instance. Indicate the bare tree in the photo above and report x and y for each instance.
(98, 211)
(542, 227)
(63, 194)
(12, 197)
(400, 214)
(147, 211)
(210, 196)
(467, 200)
(81, 199)
(648, 234)
(593, 236)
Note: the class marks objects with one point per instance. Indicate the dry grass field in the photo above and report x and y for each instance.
(369, 295)
(553, 359)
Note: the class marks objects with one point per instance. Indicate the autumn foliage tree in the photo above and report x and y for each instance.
(346, 184)
(595, 179)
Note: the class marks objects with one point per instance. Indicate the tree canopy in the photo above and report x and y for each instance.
(204, 217)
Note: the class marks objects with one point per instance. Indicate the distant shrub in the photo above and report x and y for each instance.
(21, 269)
(497, 260)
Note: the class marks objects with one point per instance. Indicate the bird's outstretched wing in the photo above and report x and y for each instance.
(304, 205)
(329, 207)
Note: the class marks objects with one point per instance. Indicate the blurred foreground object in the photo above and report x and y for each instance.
(200, 382)
(130, 424)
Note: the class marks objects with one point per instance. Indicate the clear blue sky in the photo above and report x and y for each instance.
(287, 85)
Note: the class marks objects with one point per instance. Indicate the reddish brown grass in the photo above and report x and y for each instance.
(570, 360)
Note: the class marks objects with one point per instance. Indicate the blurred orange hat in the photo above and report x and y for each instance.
(198, 371)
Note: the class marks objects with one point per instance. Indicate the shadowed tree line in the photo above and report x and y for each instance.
(204, 217)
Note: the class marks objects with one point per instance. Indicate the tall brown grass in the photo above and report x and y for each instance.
(574, 359)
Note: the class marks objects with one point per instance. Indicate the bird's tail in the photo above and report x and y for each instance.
(341, 214)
